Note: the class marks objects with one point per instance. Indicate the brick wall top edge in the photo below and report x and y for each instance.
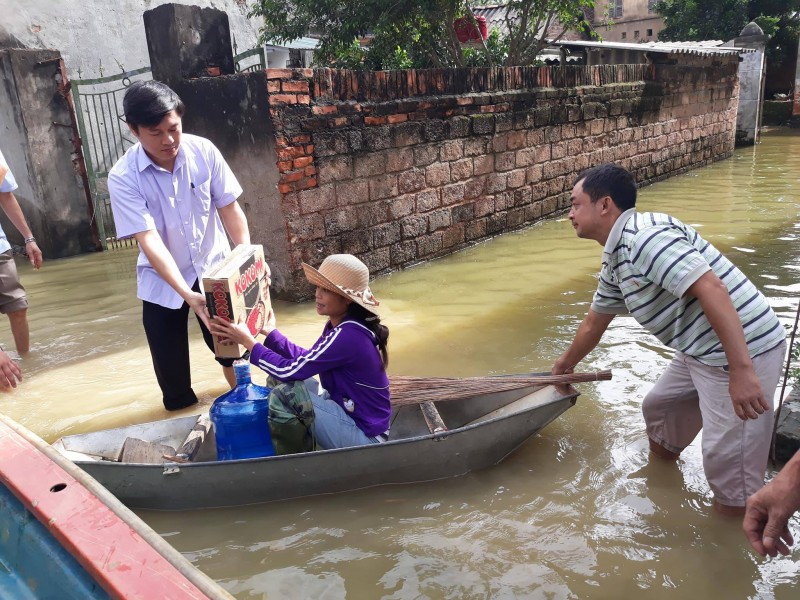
(339, 85)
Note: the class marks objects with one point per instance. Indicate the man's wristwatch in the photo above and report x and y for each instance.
(28, 240)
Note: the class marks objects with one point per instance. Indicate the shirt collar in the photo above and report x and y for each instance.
(616, 231)
(143, 161)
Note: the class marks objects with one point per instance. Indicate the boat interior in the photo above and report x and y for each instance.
(191, 438)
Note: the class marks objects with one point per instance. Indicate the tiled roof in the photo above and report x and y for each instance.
(494, 14)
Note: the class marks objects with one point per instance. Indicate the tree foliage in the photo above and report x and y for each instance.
(418, 33)
(692, 20)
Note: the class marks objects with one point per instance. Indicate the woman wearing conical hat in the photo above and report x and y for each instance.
(351, 399)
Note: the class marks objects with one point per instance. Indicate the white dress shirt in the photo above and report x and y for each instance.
(181, 206)
(8, 184)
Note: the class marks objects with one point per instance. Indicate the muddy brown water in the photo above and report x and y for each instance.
(577, 512)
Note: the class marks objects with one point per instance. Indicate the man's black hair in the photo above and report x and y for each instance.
(609, 180)
(147, 102)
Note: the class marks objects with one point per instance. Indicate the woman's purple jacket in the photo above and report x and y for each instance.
(349, 366)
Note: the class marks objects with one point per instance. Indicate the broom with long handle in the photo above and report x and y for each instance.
(415, 390)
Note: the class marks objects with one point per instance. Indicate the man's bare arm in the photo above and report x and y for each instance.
(235, 223)
(745, 387)
(586, 338)
(10, 206)
(162, 261)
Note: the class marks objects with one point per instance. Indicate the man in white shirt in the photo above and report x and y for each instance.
(173, 193)
(13, 300)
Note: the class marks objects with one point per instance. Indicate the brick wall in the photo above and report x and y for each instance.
(402, 167)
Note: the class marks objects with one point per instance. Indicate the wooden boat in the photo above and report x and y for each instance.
(62, 535)
(428, 441)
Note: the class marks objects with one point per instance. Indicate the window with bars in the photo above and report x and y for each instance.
(615, 9)
(651, 5)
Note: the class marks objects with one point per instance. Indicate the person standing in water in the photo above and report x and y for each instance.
(173, 193)
(13, 299)
(729, 343)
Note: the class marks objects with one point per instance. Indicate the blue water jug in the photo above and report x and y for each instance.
(240, 418)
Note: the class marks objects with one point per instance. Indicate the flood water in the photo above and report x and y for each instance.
(577, 512)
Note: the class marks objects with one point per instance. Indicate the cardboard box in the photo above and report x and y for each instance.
(237, 290)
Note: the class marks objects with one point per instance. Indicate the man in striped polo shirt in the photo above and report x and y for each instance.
(729, 343)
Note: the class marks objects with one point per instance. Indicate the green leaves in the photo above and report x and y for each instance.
(688, 20)
(695, 20)
(397, 34)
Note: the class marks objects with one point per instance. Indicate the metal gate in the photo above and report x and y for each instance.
(106, 137)
(250, 60)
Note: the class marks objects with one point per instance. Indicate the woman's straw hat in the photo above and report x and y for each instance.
(345, 275)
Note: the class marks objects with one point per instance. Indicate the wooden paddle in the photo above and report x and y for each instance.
(416, 390)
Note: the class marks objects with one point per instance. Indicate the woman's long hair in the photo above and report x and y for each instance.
(373, 323)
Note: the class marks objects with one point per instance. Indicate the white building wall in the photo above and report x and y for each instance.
(638, 22)
(96, 36)
(277, 58)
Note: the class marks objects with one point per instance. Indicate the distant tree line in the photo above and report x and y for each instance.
(688, 20)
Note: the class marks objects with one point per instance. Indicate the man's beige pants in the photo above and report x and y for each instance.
(691, 396)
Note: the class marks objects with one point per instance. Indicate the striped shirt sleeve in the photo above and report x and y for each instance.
(608, 298)
(666, 257)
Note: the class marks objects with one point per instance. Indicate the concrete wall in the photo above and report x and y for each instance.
(188, 53)
(751, 73)
(615, 56)
(95, 34)
(36, 138)
(189, 42)
(232, 112)
(752, 76)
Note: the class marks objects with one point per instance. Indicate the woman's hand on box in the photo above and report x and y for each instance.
(232, 333)
(269, 323)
